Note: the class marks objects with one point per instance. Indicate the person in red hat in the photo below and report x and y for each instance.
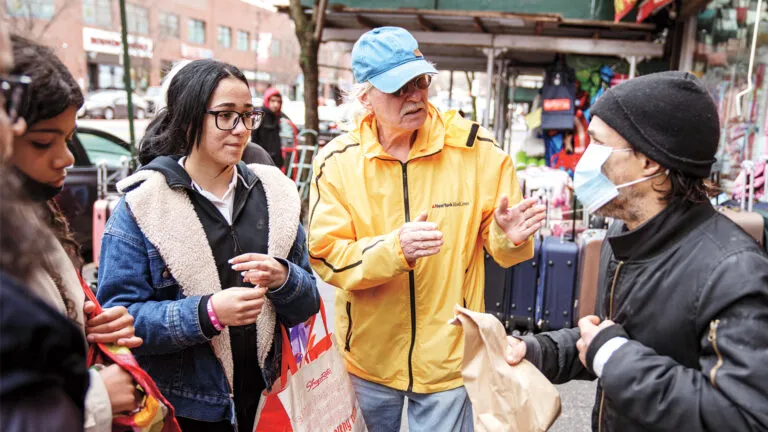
(268, 133)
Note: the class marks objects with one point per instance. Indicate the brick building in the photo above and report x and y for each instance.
(86, 36)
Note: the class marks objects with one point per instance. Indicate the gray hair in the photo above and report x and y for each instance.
(352, 109)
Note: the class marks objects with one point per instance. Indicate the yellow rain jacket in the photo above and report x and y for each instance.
(392, 319)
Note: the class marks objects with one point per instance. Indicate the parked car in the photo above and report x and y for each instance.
(153, 96)
(110, 104)
(89, 146)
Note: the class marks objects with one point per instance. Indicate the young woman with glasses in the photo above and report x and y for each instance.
(208, 253)
(42, 92)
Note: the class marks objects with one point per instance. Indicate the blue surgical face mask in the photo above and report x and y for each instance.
(592, 187)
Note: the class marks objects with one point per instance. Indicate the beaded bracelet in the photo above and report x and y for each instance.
(212, 316)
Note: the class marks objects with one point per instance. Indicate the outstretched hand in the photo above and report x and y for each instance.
(521, 221)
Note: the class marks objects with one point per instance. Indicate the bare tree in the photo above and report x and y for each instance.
(309, 32)
(470, 80)
(24, 20)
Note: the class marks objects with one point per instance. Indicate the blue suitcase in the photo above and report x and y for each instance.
(497, 280)
(557, 283)
(522, 299)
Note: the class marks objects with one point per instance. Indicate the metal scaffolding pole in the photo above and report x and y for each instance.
(491, 53)
(127, 75)
(450, 90)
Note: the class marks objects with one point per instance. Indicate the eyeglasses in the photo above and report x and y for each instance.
(421, 82)
(228, 120)
(12, 92)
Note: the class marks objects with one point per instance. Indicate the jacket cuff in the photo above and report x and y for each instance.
(600, 339)
(498, 236)
(532, 349)
(205, 321)
(98, 408)
(290, 288)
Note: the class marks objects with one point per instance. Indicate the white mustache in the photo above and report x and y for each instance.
(412, 106)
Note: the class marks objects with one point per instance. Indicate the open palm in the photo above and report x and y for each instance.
(521, 221)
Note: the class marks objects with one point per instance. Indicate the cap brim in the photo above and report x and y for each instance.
(391, 80)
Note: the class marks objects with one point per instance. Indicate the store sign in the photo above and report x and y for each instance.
(107, 42)
(193, 52)
(262, 52)
(622, 8)
(650, 7)
(257, 76)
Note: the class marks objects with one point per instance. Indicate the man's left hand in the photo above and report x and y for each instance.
(521, 221)
(589, 326)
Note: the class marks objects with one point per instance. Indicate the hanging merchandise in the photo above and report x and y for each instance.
(558, 96)
(650, 7)
(622, 8)
(574, 145)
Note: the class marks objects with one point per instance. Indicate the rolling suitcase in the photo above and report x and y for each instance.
(557, 280)
(744, 216)
(497, 281)
(521, 305)
(102, 210)
(589, 243)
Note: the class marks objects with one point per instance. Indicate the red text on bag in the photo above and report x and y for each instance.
(557, 105)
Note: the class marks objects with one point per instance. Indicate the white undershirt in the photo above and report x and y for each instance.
(225, 204)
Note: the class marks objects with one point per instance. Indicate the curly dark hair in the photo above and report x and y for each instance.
(53, 88)
(686, 189)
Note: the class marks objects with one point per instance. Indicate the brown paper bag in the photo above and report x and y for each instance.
(504, 398)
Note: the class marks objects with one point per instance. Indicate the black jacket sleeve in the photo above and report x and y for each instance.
(730, 389)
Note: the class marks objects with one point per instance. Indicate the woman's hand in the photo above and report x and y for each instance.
(261, 270)
(112, 325)
(120, 387)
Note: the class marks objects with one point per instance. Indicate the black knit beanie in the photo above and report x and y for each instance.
(667, 116)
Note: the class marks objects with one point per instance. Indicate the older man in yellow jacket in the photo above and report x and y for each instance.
(400, 211)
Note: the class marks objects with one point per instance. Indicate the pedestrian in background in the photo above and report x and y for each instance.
(208, 253)
(680, 341)
(401, 209)
(267, 135)
(40, 159)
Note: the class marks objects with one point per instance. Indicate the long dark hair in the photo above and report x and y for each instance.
(53, 89)
(179, 126)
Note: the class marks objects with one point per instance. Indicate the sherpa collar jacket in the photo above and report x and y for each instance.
(164, 251)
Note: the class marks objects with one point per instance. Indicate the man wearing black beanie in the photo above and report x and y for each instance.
(679, 343)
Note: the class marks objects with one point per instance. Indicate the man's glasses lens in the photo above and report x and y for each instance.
(420, 83)
(228, 120)
(12, 93)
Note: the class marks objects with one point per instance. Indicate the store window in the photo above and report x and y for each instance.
(138, 19)
(225, 37)
(275, 48)
(722, 58)
(242, 40)
(196, 31)
(169, 24)
(42, 9)
(98, 12)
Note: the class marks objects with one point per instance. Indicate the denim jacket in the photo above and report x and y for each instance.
(162, 282)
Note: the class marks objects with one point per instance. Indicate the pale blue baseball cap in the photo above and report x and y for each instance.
(388, 57)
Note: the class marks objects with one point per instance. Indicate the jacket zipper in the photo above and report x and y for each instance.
(411, 281)
(232, 232)
(610, 317)
(229, 388)
(349, 327)
(713, 339)
(411, 275)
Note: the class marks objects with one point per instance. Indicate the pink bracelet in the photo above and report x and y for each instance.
(212, 316)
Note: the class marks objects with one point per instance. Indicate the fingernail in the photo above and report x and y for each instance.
(230, 261)
(243, 273)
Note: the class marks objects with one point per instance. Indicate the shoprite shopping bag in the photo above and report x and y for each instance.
(315, 395)
(504, 398)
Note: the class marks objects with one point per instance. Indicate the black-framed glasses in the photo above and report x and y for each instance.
(421, 82)
(13, 90)
(228, 120)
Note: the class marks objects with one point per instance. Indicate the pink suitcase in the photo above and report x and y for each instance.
(102, 210)
(590, 242)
